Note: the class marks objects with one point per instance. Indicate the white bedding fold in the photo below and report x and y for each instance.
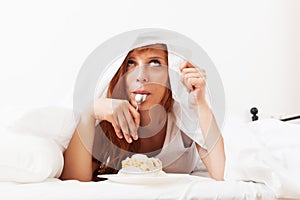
(192, 188)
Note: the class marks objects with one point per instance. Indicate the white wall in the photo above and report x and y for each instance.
(254, 44)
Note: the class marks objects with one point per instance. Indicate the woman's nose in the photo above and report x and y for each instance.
(142, 75)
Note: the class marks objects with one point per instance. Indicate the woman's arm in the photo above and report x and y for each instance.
(78, 157)
(214, 156)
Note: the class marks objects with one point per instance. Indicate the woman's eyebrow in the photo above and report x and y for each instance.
(131, 58)
(155, 57)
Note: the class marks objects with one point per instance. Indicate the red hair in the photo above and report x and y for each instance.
(117, 90)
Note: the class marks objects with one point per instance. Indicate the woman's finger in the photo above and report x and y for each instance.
(115, 123)
(188, 67)
(136, 117)
(186, 64)
(117, 129)
(124, 127)
(191, 75)
(195, 82)
(187, 73)
(190, 70)
(194, 75)
(202, 72)
(131, 124)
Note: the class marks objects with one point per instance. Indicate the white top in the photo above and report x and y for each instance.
(180, 155)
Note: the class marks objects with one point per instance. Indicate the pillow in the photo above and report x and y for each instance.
(51, 122)
(26, 158)
(9, 114)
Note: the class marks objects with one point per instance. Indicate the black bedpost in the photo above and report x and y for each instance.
(254, 111)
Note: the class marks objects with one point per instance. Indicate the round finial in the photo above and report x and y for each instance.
(254, 111)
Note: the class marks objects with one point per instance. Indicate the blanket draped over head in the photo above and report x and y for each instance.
(103, 63)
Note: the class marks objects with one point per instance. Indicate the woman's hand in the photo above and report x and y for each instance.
(195, 81)
(214, 156)
(121, 114)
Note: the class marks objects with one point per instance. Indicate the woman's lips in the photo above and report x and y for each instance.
(141, 92)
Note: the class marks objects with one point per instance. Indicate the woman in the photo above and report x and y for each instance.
(147, 128)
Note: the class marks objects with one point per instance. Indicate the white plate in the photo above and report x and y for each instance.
(145, 180)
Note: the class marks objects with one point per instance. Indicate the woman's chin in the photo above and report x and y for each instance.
(148, 106)
(144, 108)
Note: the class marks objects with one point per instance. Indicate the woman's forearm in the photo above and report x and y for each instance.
(86, 130)
(214, 156)
(78, 155)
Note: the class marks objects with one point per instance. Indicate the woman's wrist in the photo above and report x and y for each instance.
(202, 102)
(203, 110)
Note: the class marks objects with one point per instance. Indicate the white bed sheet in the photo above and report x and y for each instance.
(189, 187)
(261, 151)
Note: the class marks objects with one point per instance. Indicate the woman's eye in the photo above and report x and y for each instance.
(130, 63)
(155, 63)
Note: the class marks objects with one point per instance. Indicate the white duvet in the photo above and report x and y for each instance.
(261, 161)
(265, 151)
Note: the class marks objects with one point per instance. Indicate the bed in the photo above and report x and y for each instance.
(260, 163)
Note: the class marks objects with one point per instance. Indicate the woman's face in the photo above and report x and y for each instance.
(147, 73)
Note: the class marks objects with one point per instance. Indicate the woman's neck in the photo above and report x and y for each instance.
(152, 121)
(152, 130)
